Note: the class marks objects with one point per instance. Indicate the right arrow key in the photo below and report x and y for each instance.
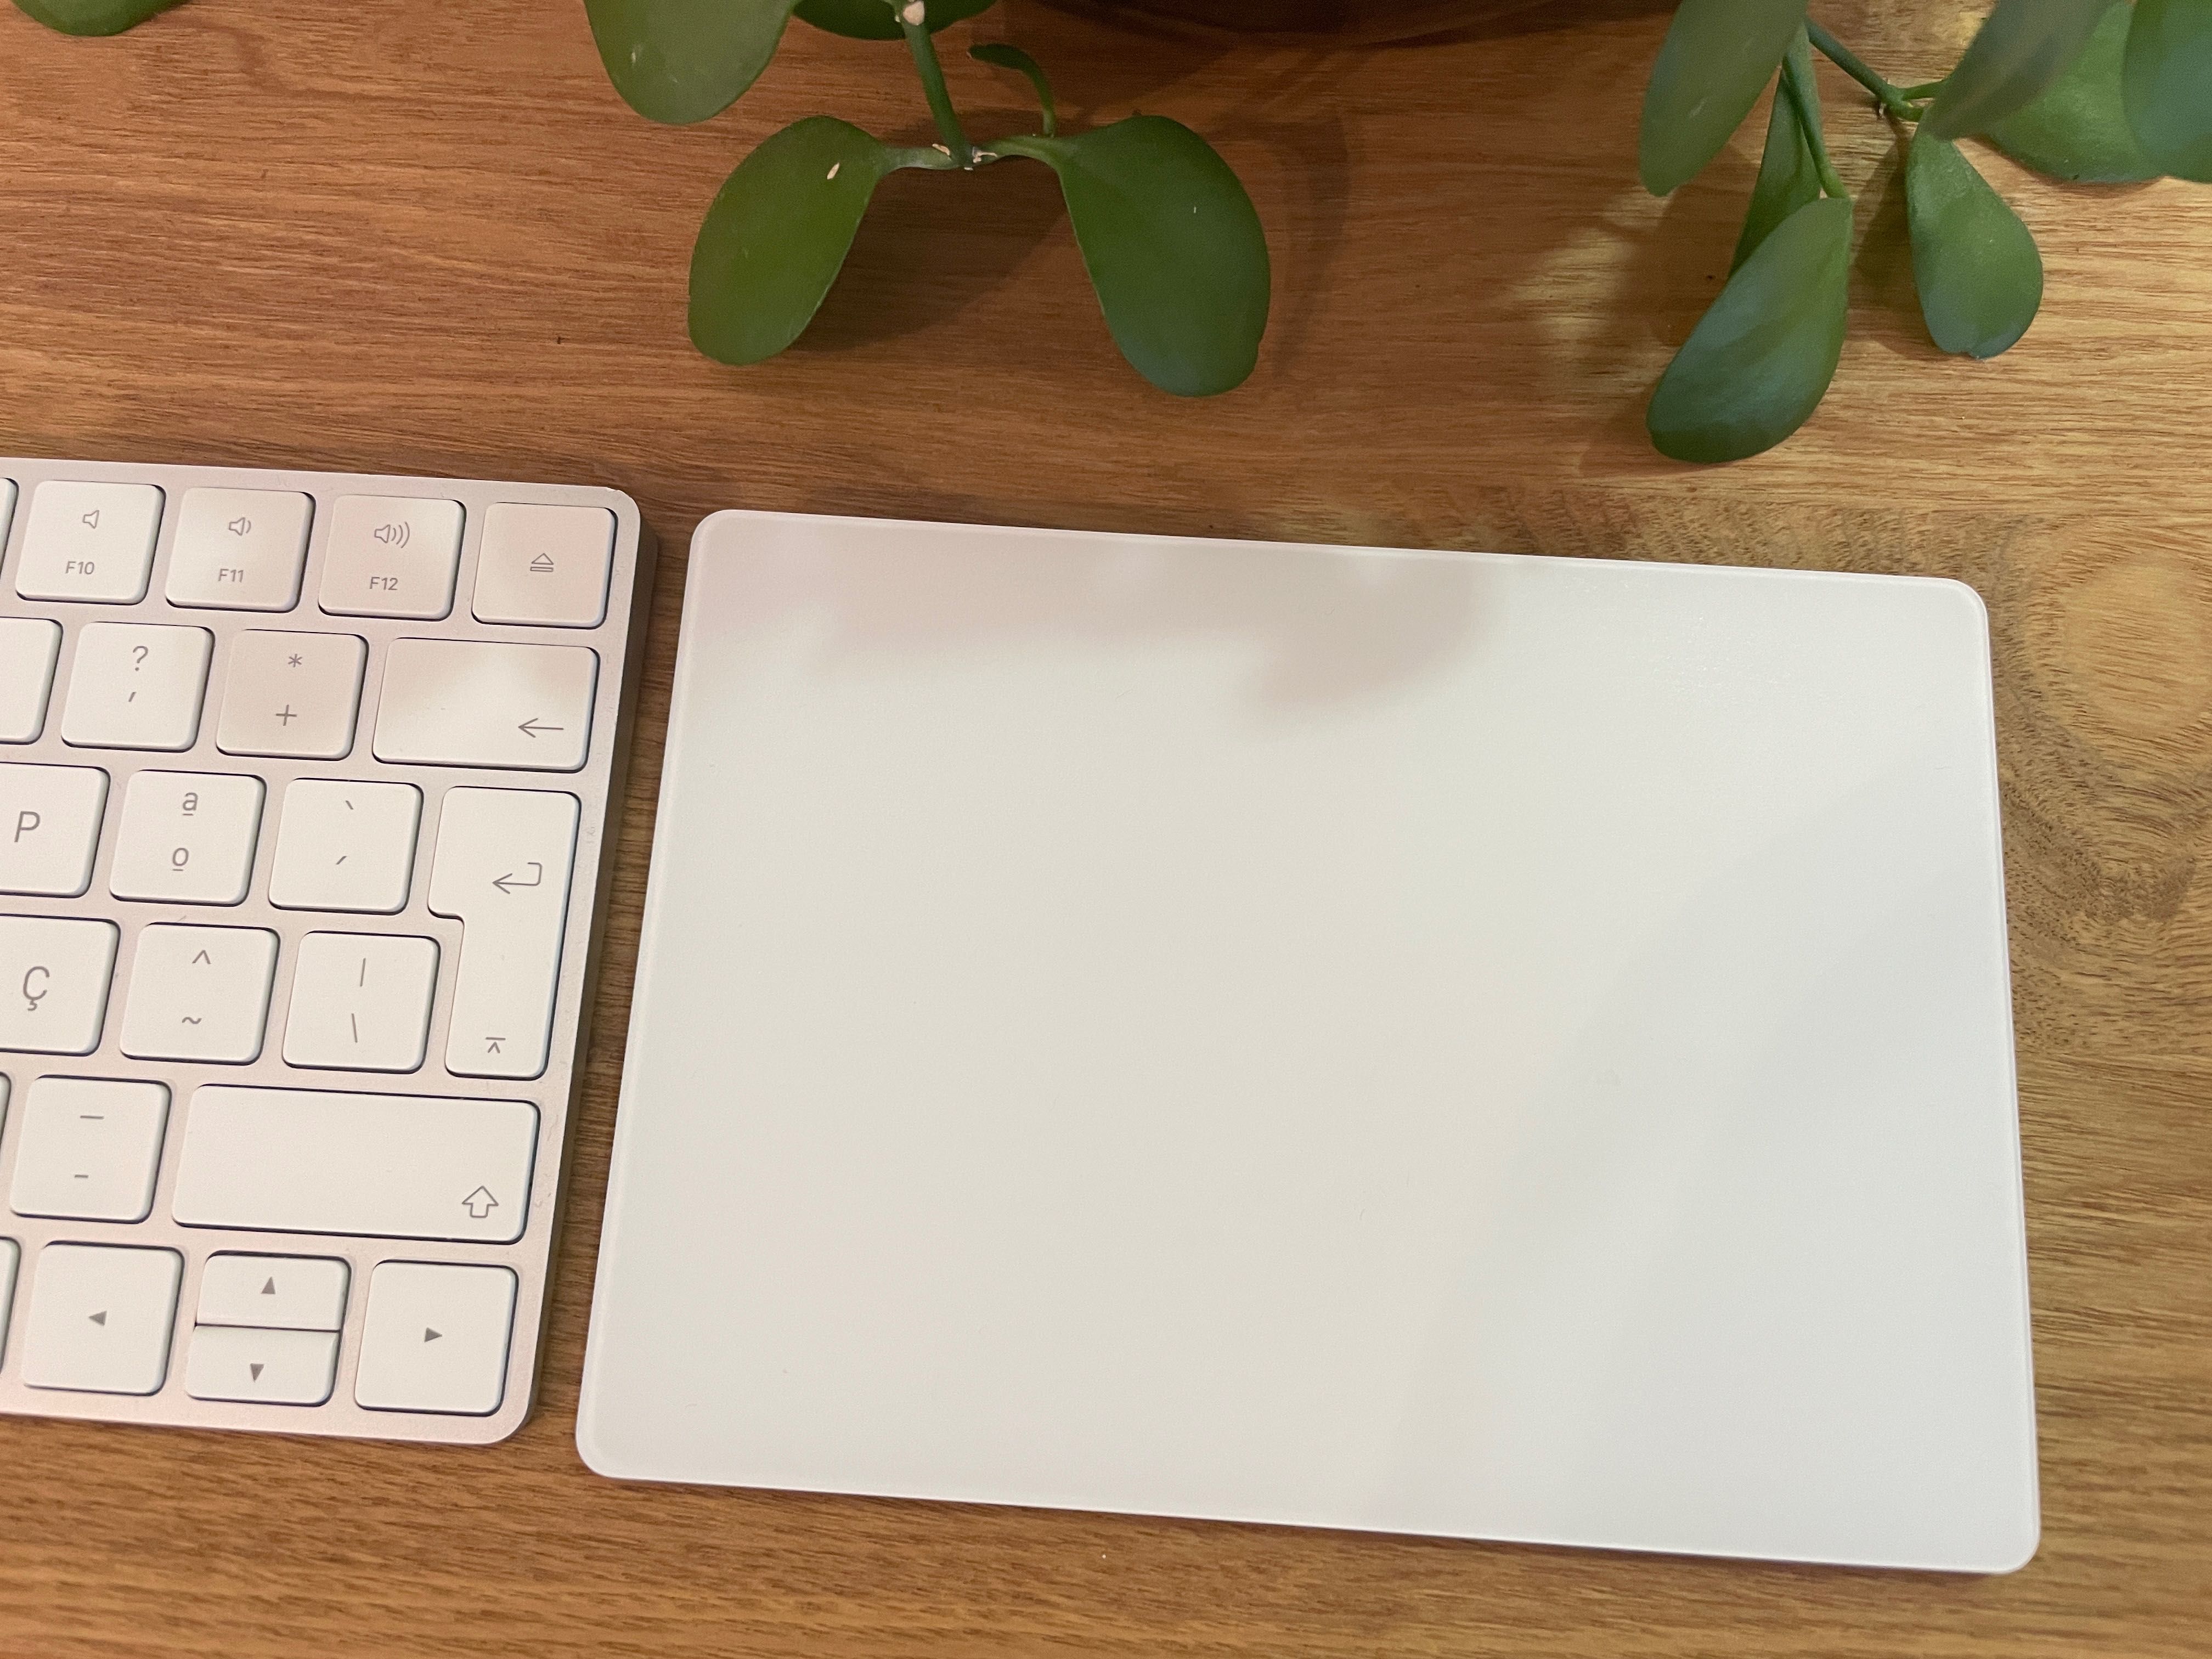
(435, 1338)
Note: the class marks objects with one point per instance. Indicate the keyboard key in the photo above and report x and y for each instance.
(199, 994)
(391, 555)
(89, 1150)
(54, 973)
(274, 1292)
(361, 1002)
(435, 1339)
(50, 828)
(240, 550)
(101, 1317)
(346, 847)
(502, 866)
(7, 509)
(545, 566)
(89, 541)
(9, 1252)
(136, 685)
(391, 1166)
(460, 702)
(292, 693)
(28, 646)
(276, 1368)
(186, 838)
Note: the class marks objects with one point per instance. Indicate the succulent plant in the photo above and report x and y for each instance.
(1170, 239)
(2106, 91)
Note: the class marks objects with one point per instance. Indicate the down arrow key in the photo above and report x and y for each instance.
(280, 1367)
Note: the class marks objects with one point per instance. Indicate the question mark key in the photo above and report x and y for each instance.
(136, 685)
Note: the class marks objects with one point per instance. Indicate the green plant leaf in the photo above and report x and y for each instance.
(1718, 56)
(777, 235)
(1173, 245)
(1759, 360)
(1788, 176)
(685, 60)
(2022, 47)
(872, 20)
(1979, 276)
(2078, 129)
(91, 16)
(1014, 59)
(2167, 84)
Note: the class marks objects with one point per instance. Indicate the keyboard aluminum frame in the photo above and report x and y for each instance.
(618, 641)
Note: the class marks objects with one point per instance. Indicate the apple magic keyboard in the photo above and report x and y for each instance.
(304, 790)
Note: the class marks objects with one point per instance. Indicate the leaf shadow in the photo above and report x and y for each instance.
(1886, 305)
(1676, 269)
(934, 243)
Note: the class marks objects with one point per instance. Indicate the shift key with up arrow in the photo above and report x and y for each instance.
(502, 866)
(470, 703)
(368, 1165)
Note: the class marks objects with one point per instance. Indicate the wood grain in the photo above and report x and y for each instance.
(403, 236)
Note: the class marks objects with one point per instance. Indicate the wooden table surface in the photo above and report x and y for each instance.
(404, 236)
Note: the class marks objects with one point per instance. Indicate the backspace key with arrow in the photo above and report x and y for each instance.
(474, 703)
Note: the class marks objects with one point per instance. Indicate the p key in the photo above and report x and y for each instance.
(50, 828)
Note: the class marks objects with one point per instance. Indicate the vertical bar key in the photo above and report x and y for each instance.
(502, 866)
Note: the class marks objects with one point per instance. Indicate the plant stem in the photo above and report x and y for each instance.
(922, 155)
(924, 48)
(1893, 99)
(1808, 123)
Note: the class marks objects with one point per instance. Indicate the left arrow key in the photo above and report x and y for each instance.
(101, 1317)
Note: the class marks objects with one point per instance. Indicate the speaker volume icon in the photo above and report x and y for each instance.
(240, 527)
(393, 535)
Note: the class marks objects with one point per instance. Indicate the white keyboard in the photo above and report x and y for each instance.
(304, 787)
